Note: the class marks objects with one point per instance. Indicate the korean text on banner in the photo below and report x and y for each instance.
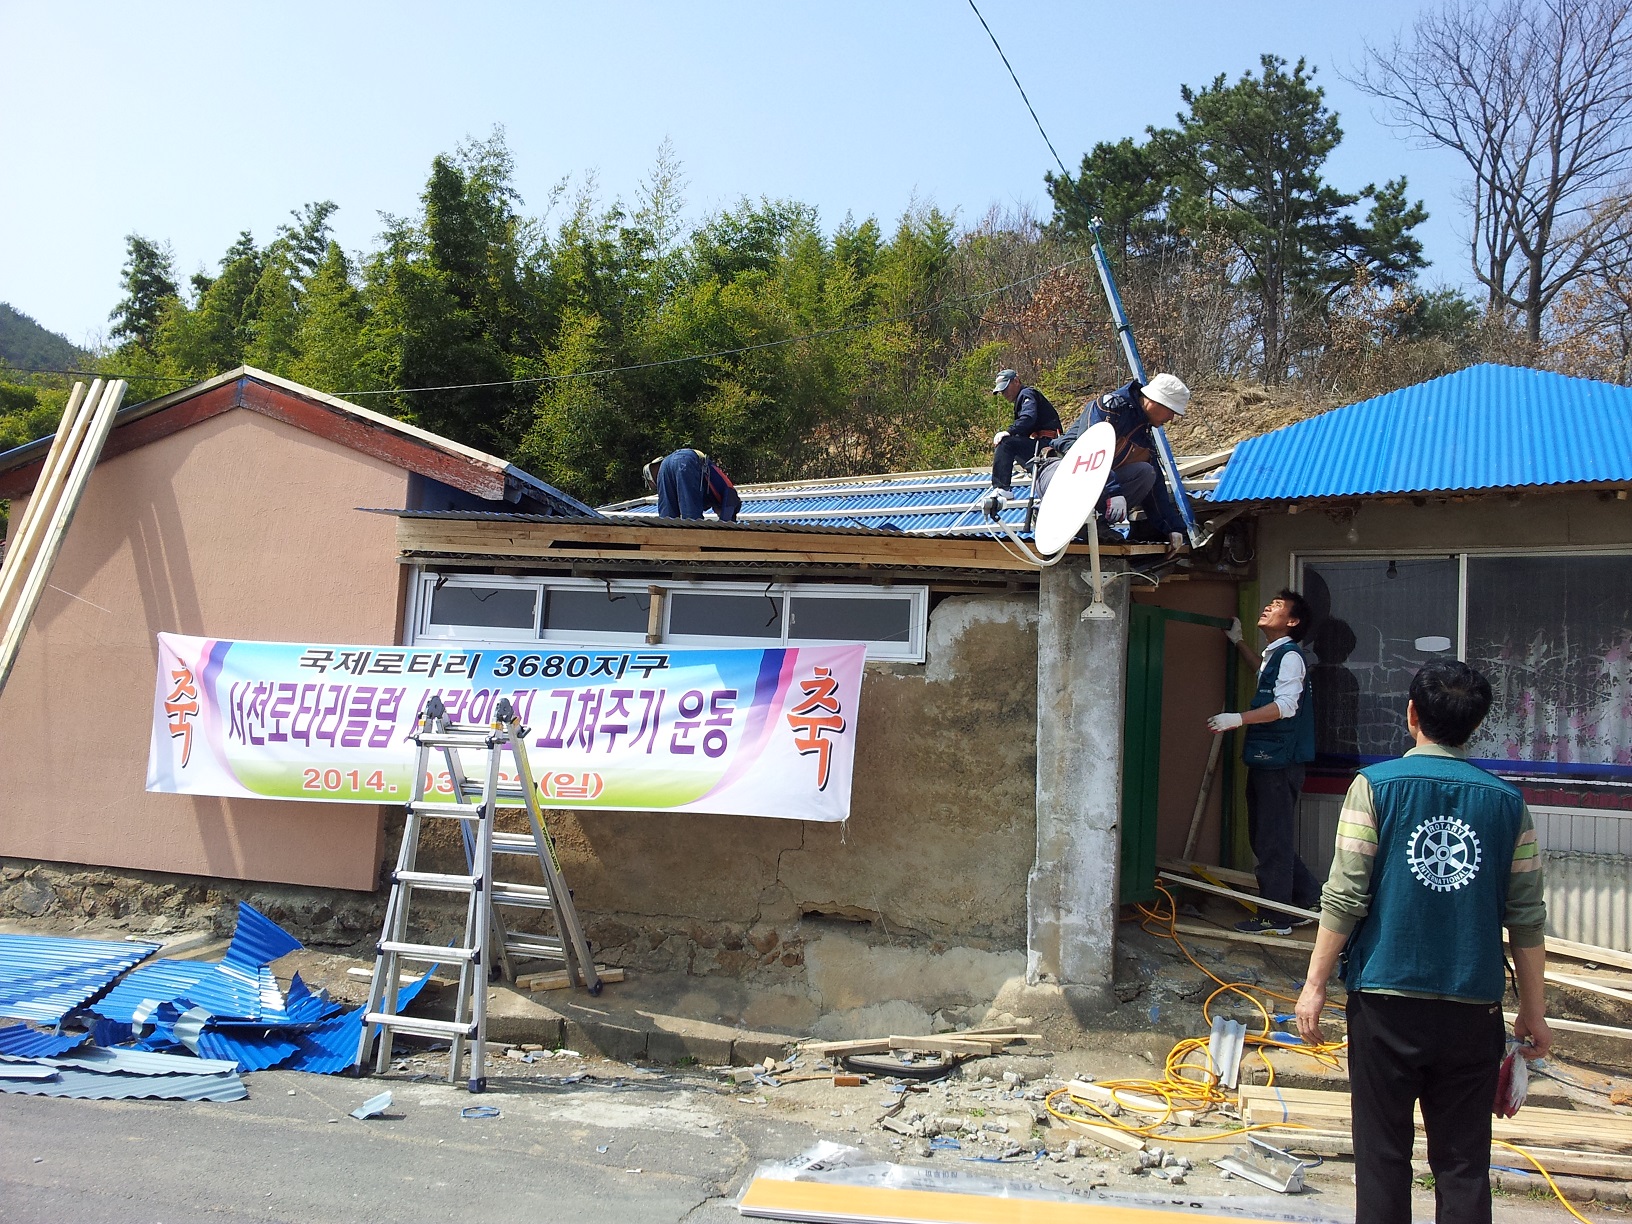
(735, 732)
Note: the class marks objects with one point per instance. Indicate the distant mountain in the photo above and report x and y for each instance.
(28, 346)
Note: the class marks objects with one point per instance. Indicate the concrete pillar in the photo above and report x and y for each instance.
(1071, 895)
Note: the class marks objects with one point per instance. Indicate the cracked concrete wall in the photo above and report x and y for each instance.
(935, 854)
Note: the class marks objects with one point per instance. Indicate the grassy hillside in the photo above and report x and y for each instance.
(25, 345)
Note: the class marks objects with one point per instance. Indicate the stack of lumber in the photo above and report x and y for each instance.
(1563, 1140)
(989, 1039)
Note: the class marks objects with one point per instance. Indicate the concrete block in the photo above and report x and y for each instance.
(609, 1040)
(672, 1047)
(751, 1049)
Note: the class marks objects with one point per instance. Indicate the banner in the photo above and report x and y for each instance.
(735, 732)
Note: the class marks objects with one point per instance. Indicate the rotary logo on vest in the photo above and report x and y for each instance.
(1444, 853)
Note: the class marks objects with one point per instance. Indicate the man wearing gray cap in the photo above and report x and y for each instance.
(1035, 424)
(1133, 410)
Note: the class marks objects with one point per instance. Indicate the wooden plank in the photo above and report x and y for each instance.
(84, 460)
(864, 1045)
(1244, 880)
(1581, 1026)
(1107, 1135)
(1326, 1143)
(1589, 952)
(1237, 895)
(559, 979)
(1580, 983)
(1287, 943)
(940, 1045)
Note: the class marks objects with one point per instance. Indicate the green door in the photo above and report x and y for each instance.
(1142, 740)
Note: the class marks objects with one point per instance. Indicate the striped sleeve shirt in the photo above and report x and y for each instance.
(1347, 896)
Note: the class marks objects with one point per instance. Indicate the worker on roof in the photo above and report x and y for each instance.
(1035, 424)
(687, 483)
(1133, 410)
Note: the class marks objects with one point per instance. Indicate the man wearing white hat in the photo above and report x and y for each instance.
(1133, 410)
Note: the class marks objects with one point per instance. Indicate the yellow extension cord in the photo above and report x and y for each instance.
(1187, 1084)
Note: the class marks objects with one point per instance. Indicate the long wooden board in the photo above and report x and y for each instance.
(1554, 1160)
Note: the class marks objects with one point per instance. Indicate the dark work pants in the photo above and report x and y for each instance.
(1447, 1056)
(680, 483)
(1010, 451)
(1272, 825)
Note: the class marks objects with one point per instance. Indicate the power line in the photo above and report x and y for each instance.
(1022, 90)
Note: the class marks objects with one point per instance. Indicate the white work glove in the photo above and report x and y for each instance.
(1223, 722)
(1175, 540)
(1234, 631)
(1116, 509)
(998, 437)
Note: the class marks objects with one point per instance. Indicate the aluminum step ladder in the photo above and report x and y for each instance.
(487, 946)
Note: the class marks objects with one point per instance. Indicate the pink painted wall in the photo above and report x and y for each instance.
(238, 527)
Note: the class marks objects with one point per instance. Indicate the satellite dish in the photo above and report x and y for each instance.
(1074, 488)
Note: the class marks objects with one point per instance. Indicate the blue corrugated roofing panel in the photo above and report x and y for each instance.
(105, 1086)
(44, 978)
(1485, 427)
(331, 1047)
(160, 982)
(21, 1040)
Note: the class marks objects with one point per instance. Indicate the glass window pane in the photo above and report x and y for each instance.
(1554, 637)
(592, 610)
(495, 607)
(850, 620)
(1375, 623)
(700, 614)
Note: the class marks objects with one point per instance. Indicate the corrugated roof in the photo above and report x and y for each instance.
(44, 978)
(105, 1086)
(911, 503)
(25, 1042)
(1482, 428)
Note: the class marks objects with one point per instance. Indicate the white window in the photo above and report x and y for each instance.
(478, 608)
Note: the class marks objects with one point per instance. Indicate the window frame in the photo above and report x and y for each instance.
(426, 580)
(1297, 559)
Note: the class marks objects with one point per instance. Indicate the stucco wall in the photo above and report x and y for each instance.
(1538, 520)
(237, 527)
(940, 838)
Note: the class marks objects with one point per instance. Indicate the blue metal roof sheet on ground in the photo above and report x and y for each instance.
(44, 978)
(1485, 427)
(19, 1039)
(116, 1086)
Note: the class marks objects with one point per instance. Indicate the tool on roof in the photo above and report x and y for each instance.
(37, 537)
(486, 940)
(1124, 333)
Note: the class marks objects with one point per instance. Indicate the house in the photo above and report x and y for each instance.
(1483, 515)
(993, 828)
(228, 509)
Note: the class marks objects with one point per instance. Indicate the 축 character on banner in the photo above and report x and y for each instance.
(737, 732)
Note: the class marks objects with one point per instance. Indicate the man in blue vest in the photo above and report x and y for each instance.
(687, 482)
(1279, 742)
(1434, 857)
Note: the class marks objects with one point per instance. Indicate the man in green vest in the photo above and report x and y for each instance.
(1434, 857)
(1279, 742)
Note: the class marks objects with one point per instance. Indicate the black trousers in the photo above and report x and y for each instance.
(1445, 1055)
(1010, 451)
(1272, 826)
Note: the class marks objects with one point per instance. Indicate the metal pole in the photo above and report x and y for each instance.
(1130, 350)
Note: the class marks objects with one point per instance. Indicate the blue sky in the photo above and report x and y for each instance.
(189, 121)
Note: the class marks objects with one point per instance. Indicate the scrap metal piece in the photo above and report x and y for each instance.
(75, 1082)
(373, 1107)
(1225, 1047)
(1266, 1166)
(44, 978)
(25, 1042)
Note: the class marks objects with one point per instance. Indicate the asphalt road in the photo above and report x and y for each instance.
(673, 1152)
